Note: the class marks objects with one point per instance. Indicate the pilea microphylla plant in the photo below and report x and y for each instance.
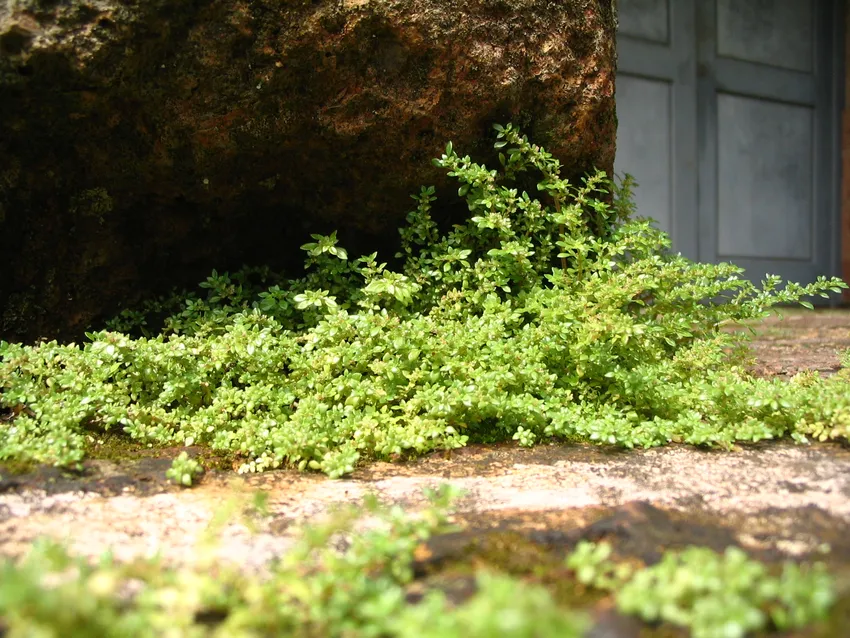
(540, 317)
(713, 595)
(184, 470)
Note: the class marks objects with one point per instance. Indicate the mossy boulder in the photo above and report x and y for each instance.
(143, 143)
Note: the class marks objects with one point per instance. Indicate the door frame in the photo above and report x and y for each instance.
(673, 62)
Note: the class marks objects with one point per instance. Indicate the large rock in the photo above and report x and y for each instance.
(144, 142)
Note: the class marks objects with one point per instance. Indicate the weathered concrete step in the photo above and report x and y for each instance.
(771, 498)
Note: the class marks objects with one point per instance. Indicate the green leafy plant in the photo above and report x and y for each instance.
(542, 316)
(314, 590)
(712, 594)
(502, 606)
(343, 578)
(184, 470)
(593, 566)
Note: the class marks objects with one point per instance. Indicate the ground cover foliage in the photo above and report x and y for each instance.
(711, 594)
(544, 315)
(339, 580)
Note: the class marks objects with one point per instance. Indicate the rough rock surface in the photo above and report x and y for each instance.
(143, 143)
(784, 499)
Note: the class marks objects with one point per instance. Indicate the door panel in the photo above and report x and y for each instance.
(764, 179)
(644, 131)
(773, 32)
(647, 19)
(656, 109)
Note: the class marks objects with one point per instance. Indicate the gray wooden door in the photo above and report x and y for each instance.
(728, 118)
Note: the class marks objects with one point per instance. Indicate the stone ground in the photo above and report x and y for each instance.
(776, 499)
